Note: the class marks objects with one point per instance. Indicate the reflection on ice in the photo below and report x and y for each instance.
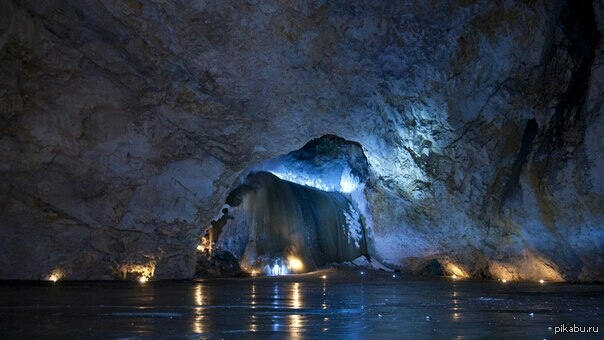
(295, 326)
(253, 327)
(295, 320)
(199, 295)
(296, 302)
(253, 295)
(345, 304)
(198, 320)
(276, 296)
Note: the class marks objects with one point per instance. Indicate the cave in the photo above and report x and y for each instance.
(298, 208)
(176, 155)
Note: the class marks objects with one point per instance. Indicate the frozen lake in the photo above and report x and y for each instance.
(344, 304)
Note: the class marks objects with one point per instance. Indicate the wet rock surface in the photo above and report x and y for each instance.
(125, 125)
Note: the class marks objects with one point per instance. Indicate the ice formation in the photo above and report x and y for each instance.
(276, 227)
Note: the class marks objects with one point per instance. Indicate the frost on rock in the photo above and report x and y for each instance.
(353, 226)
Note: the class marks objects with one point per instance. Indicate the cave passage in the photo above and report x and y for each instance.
(278, 227)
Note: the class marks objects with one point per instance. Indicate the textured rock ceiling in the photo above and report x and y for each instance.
(125, 123)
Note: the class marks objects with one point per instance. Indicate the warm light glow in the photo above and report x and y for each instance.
(199, 295)
(295, 325)
(198, 322)
(455, 271)
(139, 272)
(56, 275)
(294, 264)
(205, 243)
(253, 326)
(295, 298)
(531, 267)
(324, 277)
(541, 281)
(276, 267)
(504, 280)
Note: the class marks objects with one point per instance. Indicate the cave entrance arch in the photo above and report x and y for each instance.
(293, 213)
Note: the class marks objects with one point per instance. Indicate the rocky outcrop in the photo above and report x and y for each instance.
(125, 125)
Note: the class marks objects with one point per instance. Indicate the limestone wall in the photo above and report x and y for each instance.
(125, 124)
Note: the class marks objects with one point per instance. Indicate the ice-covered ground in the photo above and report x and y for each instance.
(346, 304)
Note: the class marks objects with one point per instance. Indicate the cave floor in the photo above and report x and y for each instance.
(344, 304)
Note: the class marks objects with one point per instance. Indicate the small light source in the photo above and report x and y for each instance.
(455, 271)
(55, 275)
(504, 280)
(143, 279)
(541, 281)
(295, 264)
(324, 277)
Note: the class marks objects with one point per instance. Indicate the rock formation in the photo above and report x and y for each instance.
(126, 124)
(272, 220)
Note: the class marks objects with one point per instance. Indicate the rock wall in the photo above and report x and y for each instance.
(124, 124)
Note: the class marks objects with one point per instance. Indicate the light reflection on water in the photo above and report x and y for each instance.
(199, 303)
(344, 305)
(295, 320)
(456, 308)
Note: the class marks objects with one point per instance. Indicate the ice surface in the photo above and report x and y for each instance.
(331, 304)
